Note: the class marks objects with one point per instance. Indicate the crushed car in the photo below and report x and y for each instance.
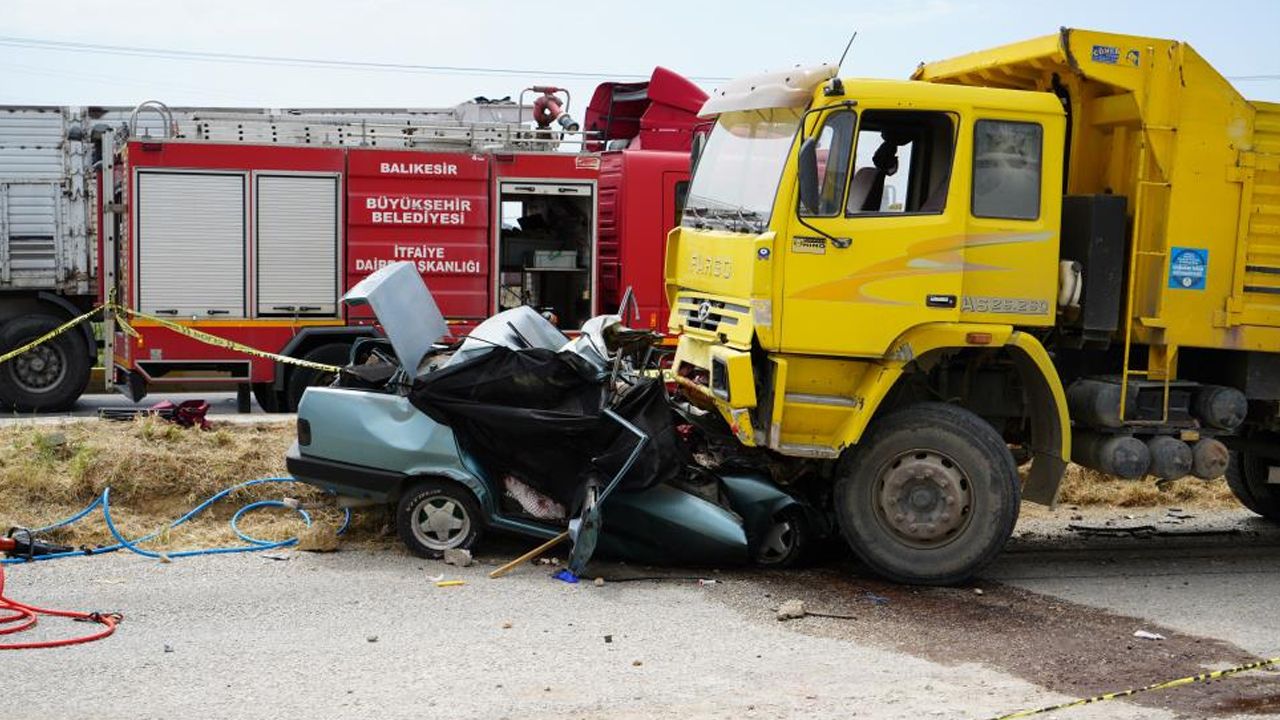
(522, 429)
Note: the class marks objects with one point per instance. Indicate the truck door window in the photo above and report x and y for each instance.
(1006, 169)
(903, 162)
(834, 141)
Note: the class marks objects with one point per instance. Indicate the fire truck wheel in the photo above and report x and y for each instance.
(51, 376)
(301, 378)
(929, 496)
(267, 397)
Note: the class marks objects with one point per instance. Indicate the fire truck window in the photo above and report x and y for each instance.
(902, 163)
(1006, 169)
(544, 249)
(834, 141)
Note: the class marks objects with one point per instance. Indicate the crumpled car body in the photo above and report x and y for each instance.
(377, 447)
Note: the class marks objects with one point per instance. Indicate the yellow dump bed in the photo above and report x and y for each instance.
(1199, 165)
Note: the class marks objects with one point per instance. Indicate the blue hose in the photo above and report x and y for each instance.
(253, 544)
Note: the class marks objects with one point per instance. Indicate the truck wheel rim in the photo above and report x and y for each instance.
(39, 369)
(441, 523)
(924, 499)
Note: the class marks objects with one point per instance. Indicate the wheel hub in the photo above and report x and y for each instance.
(778, 542)
(441, 523)
(38, 369)
(924, 498)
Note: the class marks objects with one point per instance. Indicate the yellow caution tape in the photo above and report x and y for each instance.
(50, 335)
(222, 342)
(1202, 677)
(129, 330)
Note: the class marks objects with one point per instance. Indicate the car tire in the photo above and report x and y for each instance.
(929, 496)
(301, 378)
(786, 542)
(51, 376)
(436, 515)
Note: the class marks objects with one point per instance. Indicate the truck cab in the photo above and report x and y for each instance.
(839, 231)
(899, 281)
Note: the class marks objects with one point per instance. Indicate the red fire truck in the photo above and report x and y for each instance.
(256, 242)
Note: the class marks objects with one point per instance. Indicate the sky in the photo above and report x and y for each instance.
(706, 40)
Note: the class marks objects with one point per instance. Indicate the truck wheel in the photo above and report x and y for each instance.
(1247, 478)
(267, 397)
(434, 516)
(301, 378)
(51, 376)
(929, 496)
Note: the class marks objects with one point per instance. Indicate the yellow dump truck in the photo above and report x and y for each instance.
(1063, 249)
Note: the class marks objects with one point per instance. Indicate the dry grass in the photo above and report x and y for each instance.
(1090, 487)
(156, 472)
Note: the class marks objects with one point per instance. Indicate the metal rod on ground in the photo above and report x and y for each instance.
(499, 572)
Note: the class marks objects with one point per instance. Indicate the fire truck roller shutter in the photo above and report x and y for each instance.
(297, 245)
(191, 239)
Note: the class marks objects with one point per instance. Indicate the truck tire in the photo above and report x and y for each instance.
(929, 496)
(301, 378)
(51, 376)
(267, 397)
(1247, 478)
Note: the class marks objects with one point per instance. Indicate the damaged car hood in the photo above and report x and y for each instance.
(405, 309)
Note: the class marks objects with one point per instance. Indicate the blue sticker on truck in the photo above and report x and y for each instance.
(1188, 268)
(1108, 54)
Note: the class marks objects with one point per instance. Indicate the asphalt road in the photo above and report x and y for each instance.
(365, 632)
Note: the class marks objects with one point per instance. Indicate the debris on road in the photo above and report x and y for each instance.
(1146, 635)
(458, 557)
(450, 583)
(372, 639)
(791, 610)
(598, 582)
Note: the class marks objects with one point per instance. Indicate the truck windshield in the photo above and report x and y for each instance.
(737, 176)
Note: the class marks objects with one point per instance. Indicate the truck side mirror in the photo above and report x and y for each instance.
(808, 175)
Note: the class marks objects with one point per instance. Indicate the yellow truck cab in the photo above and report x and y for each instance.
(895, 282)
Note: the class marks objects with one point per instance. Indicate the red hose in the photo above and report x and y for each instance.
(23, 617)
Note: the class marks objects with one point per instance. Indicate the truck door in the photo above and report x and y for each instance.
(884, 249)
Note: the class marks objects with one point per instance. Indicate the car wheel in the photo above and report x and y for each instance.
(929, 496)
(786, 540)
(50, 376)
(434, 516)
(301, 378)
